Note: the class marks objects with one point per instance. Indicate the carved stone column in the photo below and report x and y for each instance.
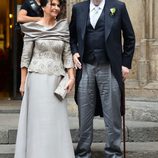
(147, 40)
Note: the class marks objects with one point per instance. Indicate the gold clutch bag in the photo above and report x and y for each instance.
(60, 91)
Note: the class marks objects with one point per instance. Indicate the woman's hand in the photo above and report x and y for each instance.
(23, 79)
(70, 84)
(22, 87)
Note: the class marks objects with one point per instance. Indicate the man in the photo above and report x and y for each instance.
(96, 31)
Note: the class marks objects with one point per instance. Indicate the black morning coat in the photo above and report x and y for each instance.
(119, 50)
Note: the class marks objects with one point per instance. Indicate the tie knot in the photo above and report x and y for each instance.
(97, 9)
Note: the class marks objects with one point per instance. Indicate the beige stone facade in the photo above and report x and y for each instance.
(143, 79)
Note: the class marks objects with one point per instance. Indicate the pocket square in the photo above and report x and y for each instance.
(60, 91)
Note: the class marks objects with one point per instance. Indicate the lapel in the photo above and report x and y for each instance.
(108, 19)
(84, 13)
(84, 16)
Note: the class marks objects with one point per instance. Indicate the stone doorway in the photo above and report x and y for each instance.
(6, 29)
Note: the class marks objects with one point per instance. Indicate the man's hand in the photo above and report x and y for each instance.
(76, 60)
(125, 72)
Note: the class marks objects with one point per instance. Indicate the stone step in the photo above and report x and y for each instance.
(135, 131)
(136, 110)
(7, 151)
(133, 150)
(10, 106)
(142, 110)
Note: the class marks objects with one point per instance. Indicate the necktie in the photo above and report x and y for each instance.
(94, 16)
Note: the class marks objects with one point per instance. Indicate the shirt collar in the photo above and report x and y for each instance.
(101, 5)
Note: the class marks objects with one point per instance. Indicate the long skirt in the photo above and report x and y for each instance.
(43, 130)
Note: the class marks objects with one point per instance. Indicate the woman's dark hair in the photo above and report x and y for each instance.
(44, 2)
(62, 7)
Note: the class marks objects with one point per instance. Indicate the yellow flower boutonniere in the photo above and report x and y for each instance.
(112, 11)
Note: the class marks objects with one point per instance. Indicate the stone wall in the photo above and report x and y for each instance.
(143, 79)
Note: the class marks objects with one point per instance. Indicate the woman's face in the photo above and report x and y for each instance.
(52, 8)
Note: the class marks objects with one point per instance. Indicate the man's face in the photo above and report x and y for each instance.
(96, 2)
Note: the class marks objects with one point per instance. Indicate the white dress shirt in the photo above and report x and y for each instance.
(95, 12)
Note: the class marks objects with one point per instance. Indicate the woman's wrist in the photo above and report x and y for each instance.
(23, 81)
(72, 78)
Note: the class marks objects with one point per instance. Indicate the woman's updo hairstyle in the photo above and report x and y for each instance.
(62, 7)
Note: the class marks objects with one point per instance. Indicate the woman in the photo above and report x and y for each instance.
(30, 11)
(43, 130)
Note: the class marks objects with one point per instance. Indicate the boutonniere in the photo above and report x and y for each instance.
(112, 11)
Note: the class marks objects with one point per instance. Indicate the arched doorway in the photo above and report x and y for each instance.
(6, 33)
